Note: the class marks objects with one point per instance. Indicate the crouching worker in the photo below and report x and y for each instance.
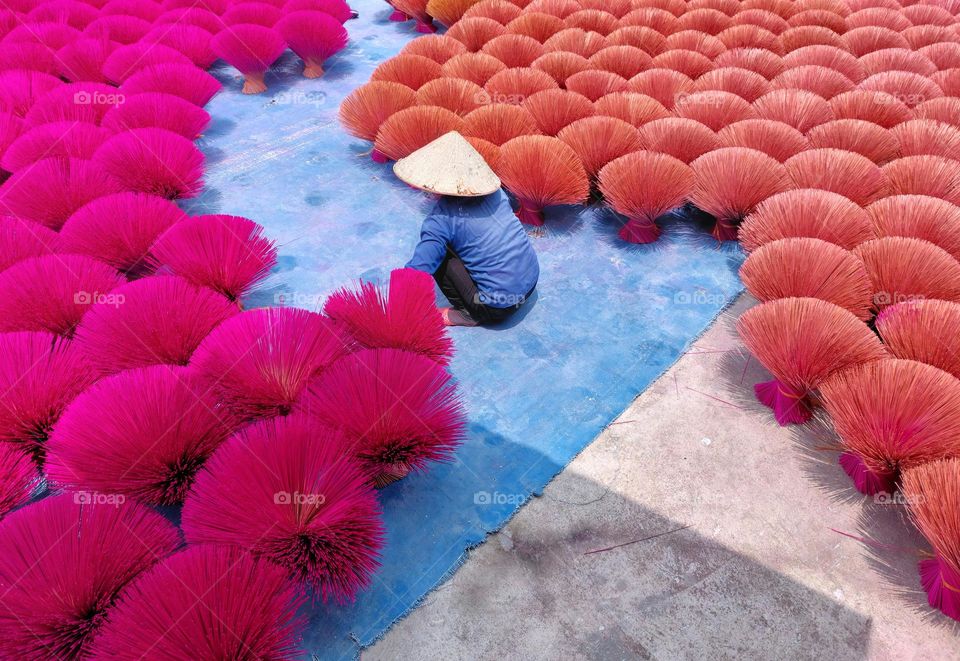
(472, 243)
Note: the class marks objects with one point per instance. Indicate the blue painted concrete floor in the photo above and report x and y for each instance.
(607, 320)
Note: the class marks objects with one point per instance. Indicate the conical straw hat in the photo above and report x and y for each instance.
(449, 166)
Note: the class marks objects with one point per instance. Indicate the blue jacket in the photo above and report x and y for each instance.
(488, 238)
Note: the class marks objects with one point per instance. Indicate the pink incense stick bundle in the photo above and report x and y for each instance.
(537, 25)
(909, 87)
(157, 110)
(40, 374)
(897, 59)
(454, 94)
(761, 18)
(944, 109)
(258, 362)
(833, 58)
(439, 48)
(148, 10)
(854, 176)
(162, 320)
(807, 212)
(802, 36)
(82, 60)
(251, 49)
(19, 90)
(499, 123)
(75, 14)
(906, 269)
(879, 108)
(448, 12)
(714, 109)
(643, 186)
(475, 67)
(19, 478)
(192, 41)
(926, 136)
(758, 60)
(892, 415)
(51, 189)
(514, 50)
(822, 81)
(684, 139)
(125, 61)
(598, 140)
(51, 293)
(408, 130)
(56, 139)
(23, 239)
(410, 70)
(501, 11)
(865, 138)
(746, 84)
(198, 16)
(228, 254)
(555, 109)
(931, 490)
(307, 505)
(920, 217)
(475, 33)
(154, 161)
(218, 7)
(119, 229)
(731, 182)
(255, 13)
(925, 331)
(775, 139)
(398, 411)
(541, 171)
(799, 108)
(802, 341)
(121, 29)
(53, 36)
(513, 86)
(339, 9)
(404, 316)
(205, 603)
(183, 80)
(687, 62)
(805, 267)
(934, 176)
(417, 9)
(63, 561)
(560, 65)
(646, 39)
(694, 40)
(162, 428)
(365, 109)
(26, 56)
(314, 36)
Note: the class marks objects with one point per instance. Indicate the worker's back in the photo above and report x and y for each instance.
(491, 242)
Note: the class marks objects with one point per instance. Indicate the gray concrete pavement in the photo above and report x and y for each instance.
(693, 527)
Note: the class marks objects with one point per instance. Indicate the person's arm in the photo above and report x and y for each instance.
(435, 235)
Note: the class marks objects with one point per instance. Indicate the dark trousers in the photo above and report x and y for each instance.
(460, 289)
